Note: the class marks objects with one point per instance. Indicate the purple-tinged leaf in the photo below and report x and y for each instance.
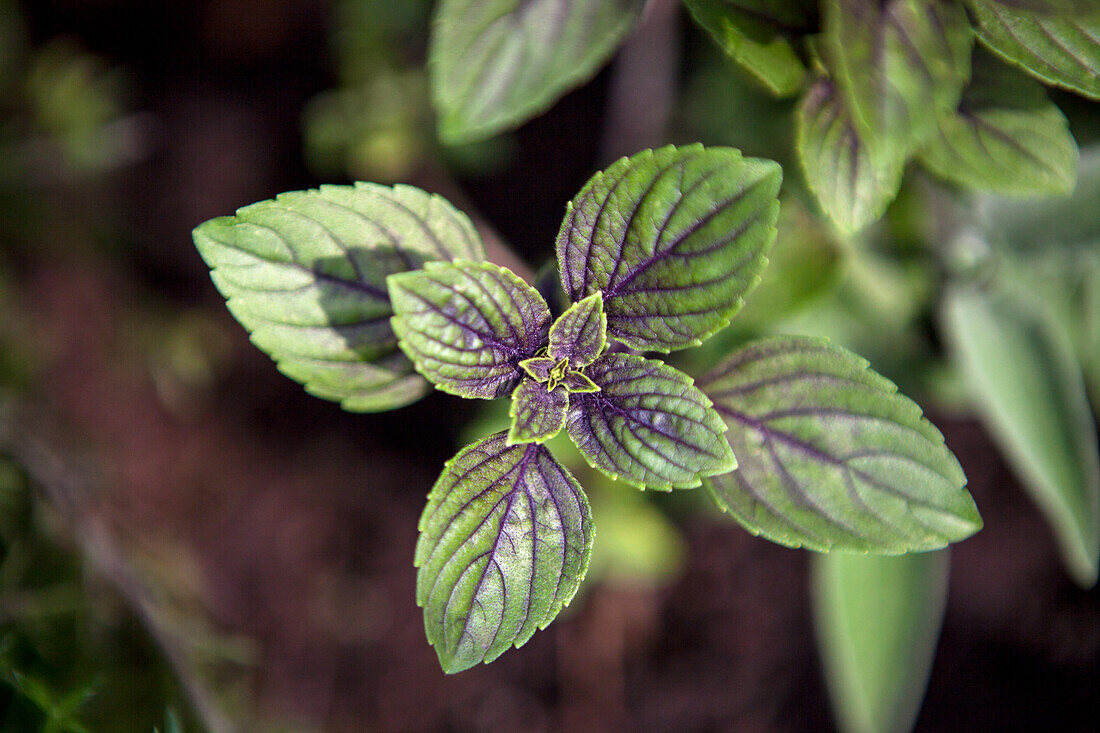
(537, 413)
(673, 238)
(467, 326)
(575, 381)
(504, 544)
(539, 367)
(648, 425)
(305, 274)
(830, 456)
(580, 334)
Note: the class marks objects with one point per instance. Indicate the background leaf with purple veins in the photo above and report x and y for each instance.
(580, 334)
(305, 274)
(648, 425)
(537, 413)
(673, 238)
(830, 456)
(467, 326)
(504, 543)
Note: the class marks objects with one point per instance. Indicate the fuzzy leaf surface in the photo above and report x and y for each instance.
(580, 334)
(1006, 136)
(1028, 386)
(1057, 50)
(305, 274)
(496, 63)
(467, 326)
(897, 63)
(673, 238)
(852, 187)
(753, 42)
(878, 620)
(537, 413)
(504, 543)
(830, 456)
(648, 425)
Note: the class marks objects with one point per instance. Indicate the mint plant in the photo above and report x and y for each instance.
(371, 295)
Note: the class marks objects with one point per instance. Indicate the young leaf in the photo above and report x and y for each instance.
(580, 334)
(853, 188)
(877, 621)
(752, 42)
(537, 413)
(897, 62)
(496, 63)
(468, 325)
(1057, 50)
(673, 238)
(830, 456)
(1029, 387)
(539, 368)
(648, 425)
(1006, 136)
(306, 275)
(504, 543)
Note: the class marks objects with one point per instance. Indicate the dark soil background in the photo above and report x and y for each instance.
(300, 520)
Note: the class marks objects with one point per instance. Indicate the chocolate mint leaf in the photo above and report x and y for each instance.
(897, 63)
(467, 326)
(305, 274)
(673, 238)
(753, 41)
(537, 413)
(1006, 137)
(575, 381)
(580, 334)
(504, 543)
(830, 456)
(648, 425)
(853, 188)
(1057, 50)
(497, 63)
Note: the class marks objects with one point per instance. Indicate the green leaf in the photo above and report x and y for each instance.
(830, 456)
(504, 543)
(580, 334)
(648, 425)
(468, 325)
(1049, 7)
(1006, 136)
(897, 63)
(673, 238)
(496, 63)
(1057, 50)
(306, 275)
(1028, 386)
(878, 620)
(755, 44)
(853, 187)
(537, 413)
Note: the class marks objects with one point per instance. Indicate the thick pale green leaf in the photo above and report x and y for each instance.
(852, 187)
(306, 275)
(674, 238)
(496, 63)
(537, 413)
(897, 62)
(1006, 136)
(468, 325)
(504, 543)
(754, 43)
(648, 425)
(1057, 50)
(1028, 386)
(878, 620)
(830, 456)
(580, 334)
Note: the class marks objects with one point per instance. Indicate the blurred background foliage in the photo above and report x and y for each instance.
(239, 558)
